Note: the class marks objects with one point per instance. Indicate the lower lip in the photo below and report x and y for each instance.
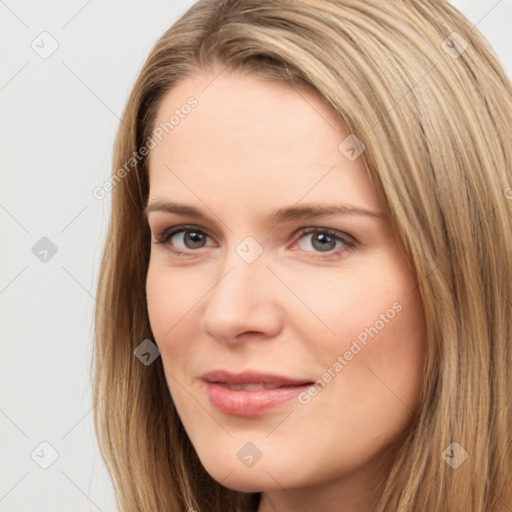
(250, 402)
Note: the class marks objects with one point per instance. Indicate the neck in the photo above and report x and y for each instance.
(354, 492)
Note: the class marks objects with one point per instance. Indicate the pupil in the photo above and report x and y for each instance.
(195, 239)
(324, 242)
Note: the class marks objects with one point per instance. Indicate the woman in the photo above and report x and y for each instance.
(306, 291)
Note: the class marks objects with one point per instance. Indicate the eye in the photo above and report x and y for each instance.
(194, 238)
(325, 242)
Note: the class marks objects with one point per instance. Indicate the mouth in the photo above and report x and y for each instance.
(254, 387)
(251, 393)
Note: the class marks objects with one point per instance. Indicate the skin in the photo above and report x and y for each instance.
(250, 147)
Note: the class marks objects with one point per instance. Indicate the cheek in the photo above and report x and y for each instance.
(171, 311)
(398, 352)
(376, 337)
(160, 303)
(171, 297)
(352, 303)
(382, 344)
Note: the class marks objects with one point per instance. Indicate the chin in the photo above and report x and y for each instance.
(235, 476)
(251, 483)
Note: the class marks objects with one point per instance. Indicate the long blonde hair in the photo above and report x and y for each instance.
(424, 91)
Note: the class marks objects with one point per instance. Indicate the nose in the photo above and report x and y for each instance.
(243, 304)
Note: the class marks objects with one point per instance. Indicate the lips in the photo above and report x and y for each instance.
(250, 393)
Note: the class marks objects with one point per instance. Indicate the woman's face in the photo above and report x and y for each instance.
(293, 339)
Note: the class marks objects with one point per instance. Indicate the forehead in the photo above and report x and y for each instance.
(246, 135)
(248, 110)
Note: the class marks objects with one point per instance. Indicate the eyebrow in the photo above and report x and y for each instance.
(289, 213)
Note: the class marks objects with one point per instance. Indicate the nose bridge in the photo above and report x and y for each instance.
(241, 279)
(244, 267)
(239, 300)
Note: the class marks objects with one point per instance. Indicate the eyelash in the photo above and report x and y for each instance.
(349, 243)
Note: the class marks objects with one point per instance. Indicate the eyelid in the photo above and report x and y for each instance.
(341, 235)
(164, 236)
(348, 240)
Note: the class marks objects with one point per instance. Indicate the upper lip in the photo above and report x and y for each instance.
(251, 377)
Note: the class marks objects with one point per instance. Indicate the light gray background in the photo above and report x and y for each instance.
(60, 116)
